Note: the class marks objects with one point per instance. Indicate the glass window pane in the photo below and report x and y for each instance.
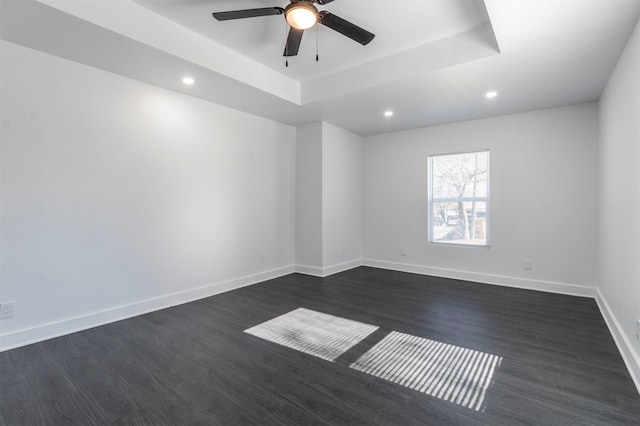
(460, 223)
(460, 175)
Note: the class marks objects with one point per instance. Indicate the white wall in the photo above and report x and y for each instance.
(119, 197)
(309, 196)
(619, 206)
(543, 201)
(328, 199)
(341, 196)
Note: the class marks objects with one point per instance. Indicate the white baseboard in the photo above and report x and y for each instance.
(630, 357)
(548, 286)
(329, 270)
(310, 270)
(71, 325)
(341, 267)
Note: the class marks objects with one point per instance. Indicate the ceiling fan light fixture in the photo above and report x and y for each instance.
(301, 15)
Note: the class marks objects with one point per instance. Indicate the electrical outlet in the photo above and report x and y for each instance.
(403, 251)
(262, 258)
(7, 309)
(638, 329)
(527, 264)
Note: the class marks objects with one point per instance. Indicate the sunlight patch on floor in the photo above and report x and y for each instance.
(322, 335)
(445, 371)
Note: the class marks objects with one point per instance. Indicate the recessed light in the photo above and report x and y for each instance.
(491, 94)
(388, 113)
(188, 81)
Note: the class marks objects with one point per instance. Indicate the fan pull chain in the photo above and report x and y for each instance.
(317, 57)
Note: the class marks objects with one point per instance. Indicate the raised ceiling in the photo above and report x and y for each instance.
(399, 26)
(431, 61)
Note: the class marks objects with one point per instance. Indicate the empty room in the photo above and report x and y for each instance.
(322, 212)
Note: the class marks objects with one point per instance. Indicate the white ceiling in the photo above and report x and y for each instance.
(431, 61)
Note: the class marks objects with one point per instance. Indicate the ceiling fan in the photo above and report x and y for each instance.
(302, 15)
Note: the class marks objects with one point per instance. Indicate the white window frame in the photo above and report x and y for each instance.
(431, 201)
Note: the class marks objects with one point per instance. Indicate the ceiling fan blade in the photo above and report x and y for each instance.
(293, 42)
(247, 13)
(323, 1)
(346, 28)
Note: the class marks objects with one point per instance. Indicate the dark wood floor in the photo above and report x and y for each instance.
(192, 364)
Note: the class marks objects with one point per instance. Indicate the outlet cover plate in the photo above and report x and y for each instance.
(7, 309)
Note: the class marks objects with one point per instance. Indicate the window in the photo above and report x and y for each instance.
(459, 199)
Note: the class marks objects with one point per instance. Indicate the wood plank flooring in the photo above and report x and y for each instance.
(193, 364)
